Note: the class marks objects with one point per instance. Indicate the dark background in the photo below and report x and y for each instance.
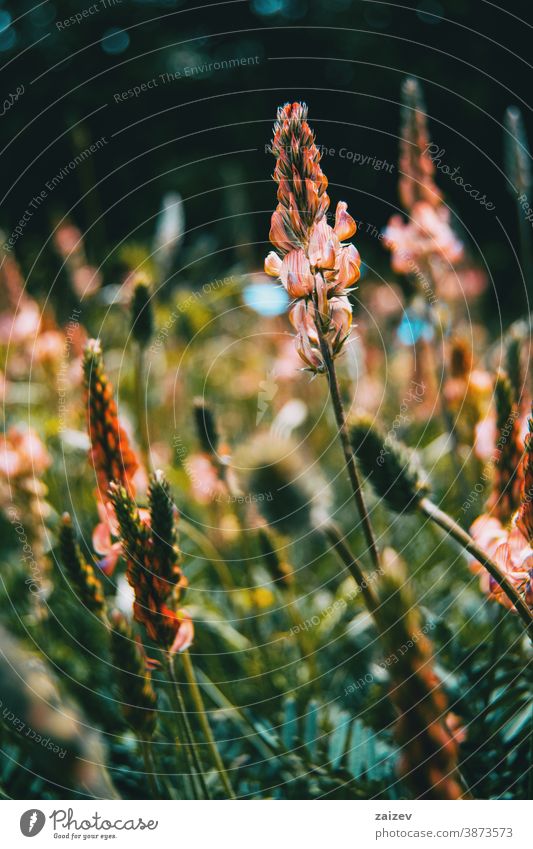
(346, 59)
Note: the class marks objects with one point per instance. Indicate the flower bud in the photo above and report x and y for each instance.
(81, 574)
(206, 426)
(142, 316)
(388, 464)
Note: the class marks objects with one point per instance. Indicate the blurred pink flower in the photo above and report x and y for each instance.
(68, 239)
(49, 347)
(20, 324)
(185, 633)
(102, 540)
(510, 550)
(86, 280)
(22, 453)
(205, 482)
(428, 234)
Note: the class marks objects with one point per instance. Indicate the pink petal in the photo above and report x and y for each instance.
(345, 226)
(272, 264)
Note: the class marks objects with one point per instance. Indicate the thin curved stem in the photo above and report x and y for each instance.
(451, 527)
(340, 417)
(338, 541)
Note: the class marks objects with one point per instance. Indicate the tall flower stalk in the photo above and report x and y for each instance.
(153, 570)
(138, 699)
(425, 247)
(317, 267)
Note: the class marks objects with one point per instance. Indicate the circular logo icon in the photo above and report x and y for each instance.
(32, 822)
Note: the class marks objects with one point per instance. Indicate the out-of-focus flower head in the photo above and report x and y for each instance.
(142, 314)
(314, 265)
(23, 454)
(23, 462)
(285, 490)
(428, 745)
(416, 166)
(516, 153)
(153, 564)
(524, 520)
(511, 551)
(204, 478)
(508, 451)
(209, 472)
(424, 247)
(467, 390)
(426, 237)
(102, 538)
(111, 454)
(81, 575)
(20, 315)
(169, 232)
(510, 545)
(85, 279)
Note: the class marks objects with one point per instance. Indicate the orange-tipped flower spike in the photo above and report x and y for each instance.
(153, 570)
(111, 453)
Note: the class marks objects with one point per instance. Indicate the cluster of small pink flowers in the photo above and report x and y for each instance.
(426, 243)
(511, 551)
(22, 454)
(312, 261)
(510, 545)
(23, 462)
(427, 237)
(85, 279)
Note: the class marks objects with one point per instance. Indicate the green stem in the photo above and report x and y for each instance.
(150, 768)
(204, 722)
(335, 536)
(340, 417)
(442, 379)
(451, 527)
(190, 745)
(306, 646)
